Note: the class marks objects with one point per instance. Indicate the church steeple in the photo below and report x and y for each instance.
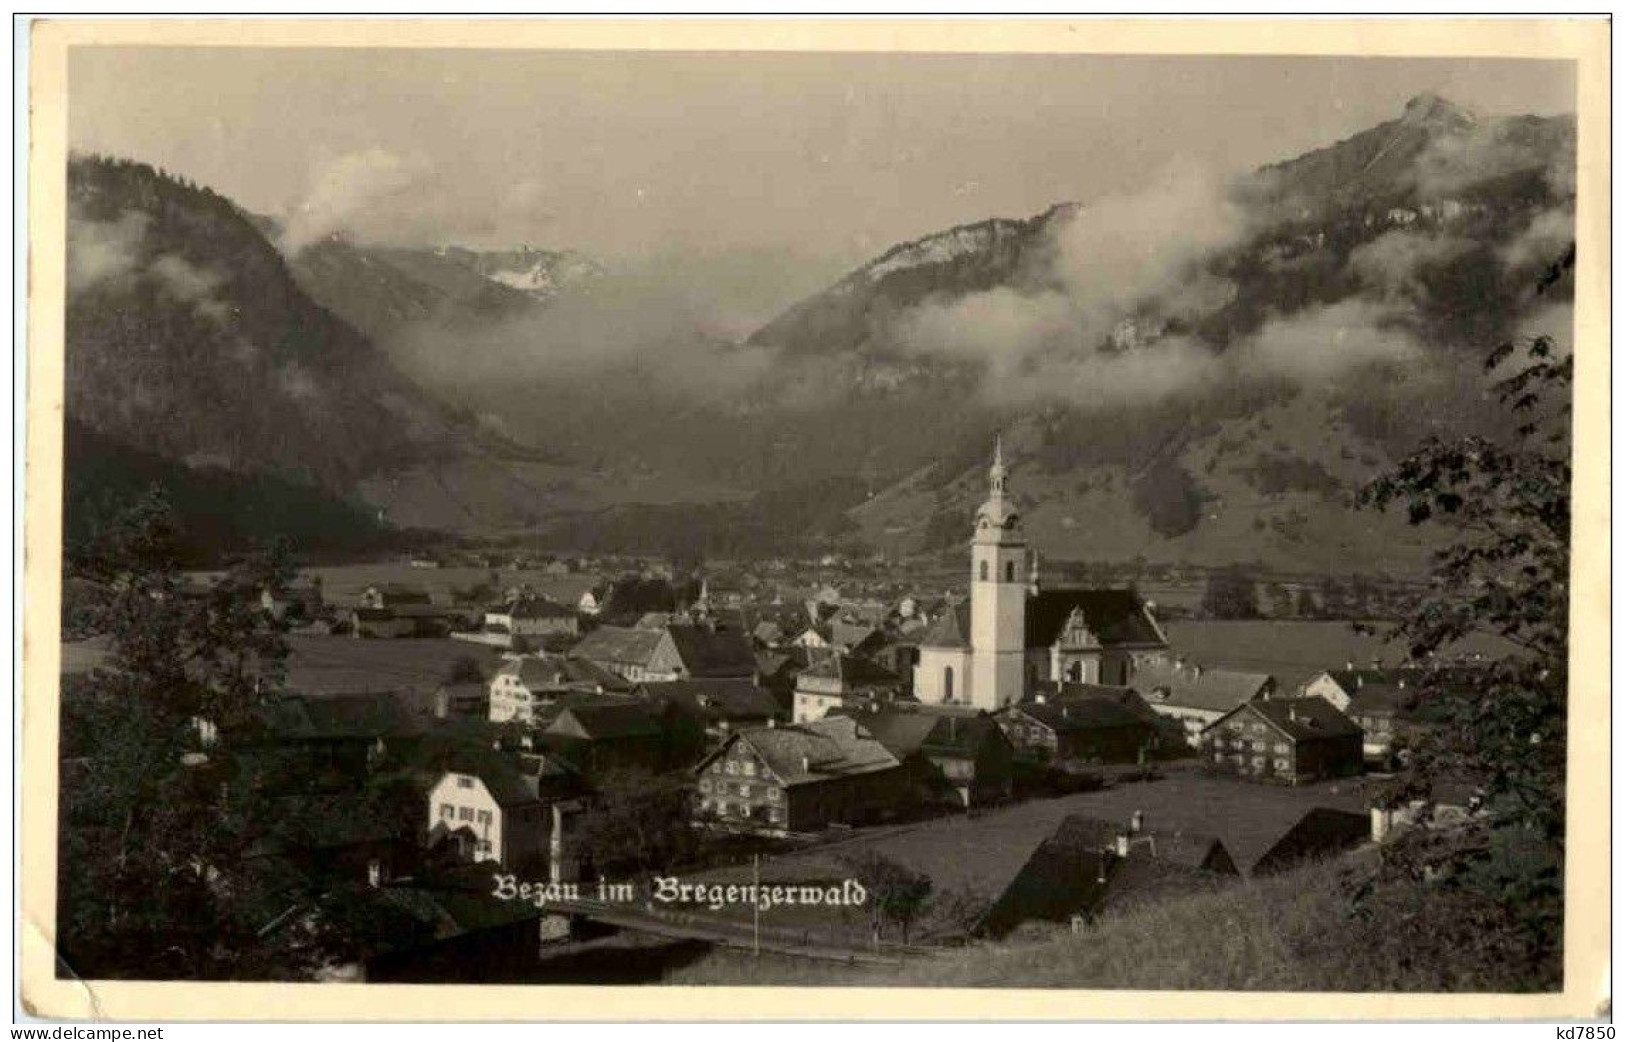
(996, 515)
(995, 473)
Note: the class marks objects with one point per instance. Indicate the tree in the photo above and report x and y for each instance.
(637, 820)
(1230, 594)
(897, 894)
(168, 805)
(1505, 573)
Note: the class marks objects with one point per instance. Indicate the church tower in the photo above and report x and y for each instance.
(998, 599)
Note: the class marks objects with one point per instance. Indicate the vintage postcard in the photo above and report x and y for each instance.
(877, 519)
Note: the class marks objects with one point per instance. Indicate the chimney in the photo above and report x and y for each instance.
(1136, 824)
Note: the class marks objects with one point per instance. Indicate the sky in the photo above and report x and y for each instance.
(782, 169)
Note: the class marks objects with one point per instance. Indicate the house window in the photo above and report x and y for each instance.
(1281, 748)
(948, 683)
(732, 767)
(465, 814)
(774, 794)
(982, 573)
(1281, 765)
(705, 784)
(484, 817)
(447, 811)
(775, 815)
(465, 782)
(748, 769)
(744, 790)
(1009, 571)
(482, 847)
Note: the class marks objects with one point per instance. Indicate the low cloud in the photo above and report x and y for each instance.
(1322, 343)
(1543, 242)
(1391, 264)
(354, 192)
(110, 252)
(1497, 148)
(103, 251)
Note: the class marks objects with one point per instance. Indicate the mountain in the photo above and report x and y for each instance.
(196, 359)
(382, 290)
(1336, 312)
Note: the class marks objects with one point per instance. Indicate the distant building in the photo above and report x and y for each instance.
(719, 707)
(959, 750)
(834, 680)
(524, 686)
(1014, 634)
(533, 617)
(799, 778)
(1086, 728)
(1290, 740)
(678, 652)
(394, 595)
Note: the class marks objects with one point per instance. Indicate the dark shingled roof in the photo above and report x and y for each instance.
(907, 729)
(1082, 714)
(1216, 690)
(951, 630)
(360, 714)
(1306, 718)
(707, 652)
(1113, 616)
(610, 719)
(614, 644)
(835, 747)
(714, 700)
(1403, 703)
(850, 671)
(539, 608)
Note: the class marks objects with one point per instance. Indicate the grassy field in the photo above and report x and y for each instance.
(1291, 651)
(973, 860)
(333, 665)
(1289, 932)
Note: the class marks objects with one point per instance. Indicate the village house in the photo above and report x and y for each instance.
(340, 735)
(1090, 866)
(681, 651)
(1393, 717)
(1087, 726)
(527, 684)
(1198, 696)
(533, 617)
(394, 595)
(300, 601)
(1290, 740)
(799, 778)
(462, 701)
(717, 706)
(517, 810)
(604, 734)
(959, 750)
(833, 680)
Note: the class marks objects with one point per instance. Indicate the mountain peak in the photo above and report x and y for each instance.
(1429, 109)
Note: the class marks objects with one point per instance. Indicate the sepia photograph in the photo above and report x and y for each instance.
(1087, 518)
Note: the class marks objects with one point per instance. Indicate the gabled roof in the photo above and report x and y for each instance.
(1113, 616)
(950, 630)
(1199, 687)
(1305, 718)
(850, 671)
(801, 754)
(956, 731)
(539, 608)
(714, 700)
(618, 644)
(606, 720)
(718, 652)
(1189, 849)
(515, 779)
(1085, 713)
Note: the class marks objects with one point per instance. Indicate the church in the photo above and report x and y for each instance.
(1013, 634)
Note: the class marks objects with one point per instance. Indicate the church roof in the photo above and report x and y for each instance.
(951, 630)
(1113, 616)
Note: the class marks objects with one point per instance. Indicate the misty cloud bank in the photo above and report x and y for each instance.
(1094, 321)
(112, 253)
